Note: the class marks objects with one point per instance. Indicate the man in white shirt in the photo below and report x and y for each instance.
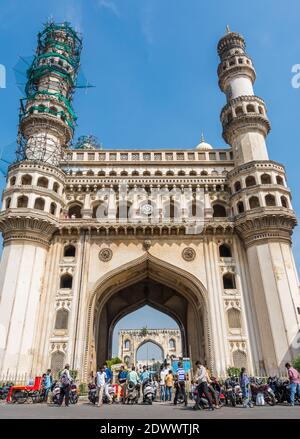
(65, 382)
(101, 379)
(201, 380)
(163, 373)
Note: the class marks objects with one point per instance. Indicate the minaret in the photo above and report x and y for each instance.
(261, 206)
(34, 195)
(47, 119)
(244, 118)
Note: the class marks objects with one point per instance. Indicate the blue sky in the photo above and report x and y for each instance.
(153, 64)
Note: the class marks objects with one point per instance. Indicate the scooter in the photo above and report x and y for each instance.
(132, 393)
(148, 392)
(73, 393)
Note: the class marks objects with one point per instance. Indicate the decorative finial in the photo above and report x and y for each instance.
(202, 137)
(228, 29)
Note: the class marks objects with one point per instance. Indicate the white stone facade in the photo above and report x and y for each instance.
(66, 278)
(130, 340)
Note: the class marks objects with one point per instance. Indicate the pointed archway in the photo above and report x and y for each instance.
(148, 280)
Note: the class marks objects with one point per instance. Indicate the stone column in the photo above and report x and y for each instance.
(275, 287)
(21, 272)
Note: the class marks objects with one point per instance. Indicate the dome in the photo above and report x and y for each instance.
(203, 145)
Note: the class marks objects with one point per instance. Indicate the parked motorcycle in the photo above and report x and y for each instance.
(216, 398)
(257, 386)
(73, 394)
(4, 390)
(230, 391)
(92, 395)
(112, 393)
(55, 389)
(281, 389)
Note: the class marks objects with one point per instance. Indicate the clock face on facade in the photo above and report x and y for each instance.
(146, 209)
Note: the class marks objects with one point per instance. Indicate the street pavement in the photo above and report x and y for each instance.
(85, 410)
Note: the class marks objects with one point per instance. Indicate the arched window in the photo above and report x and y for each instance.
(90, 173)
(250, 108)
(7, 203)
(172, 344)
(66, 281)
(253, 202)
(265, 179)
(99, 213)
(193, 173)
(170, 173)
(239, 111)
(124, 174)
(43, 182)
(181, 173)
(22, 201)
(237, 186)
(61, 320)
(239, 359)
(127, 344)
(123, 211)
(26, 180)
(284, 201)
(39, 204)
(240, 207)
(53, 208)
(12, 181)
(158, 173)
(57, 361)
(225, 251)
(56, 187)
(78, 173)
(228, 281)
(270, 200)
(279, 180)
(219, 211)
(75, 211)
(112, 173)
(135, 173)
(101, 174)
(171, 210)
(146, 173)
(234, 318)
(203, 173)
(69, 251)
(250, 181)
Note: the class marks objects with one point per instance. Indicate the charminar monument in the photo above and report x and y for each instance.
(202, 234)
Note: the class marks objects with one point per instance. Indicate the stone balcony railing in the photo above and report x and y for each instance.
(146, 156)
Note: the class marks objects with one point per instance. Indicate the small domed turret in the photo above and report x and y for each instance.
(203, 146)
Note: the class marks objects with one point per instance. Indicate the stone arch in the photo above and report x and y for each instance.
(130, 340)
(148, 267)
(57, 361)
(149, 340)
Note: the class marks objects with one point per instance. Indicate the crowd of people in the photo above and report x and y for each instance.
(169, 384)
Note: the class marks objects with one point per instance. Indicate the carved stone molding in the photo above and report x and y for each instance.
(188, 254)
(147, 244)
(26, 226)
(105, 254)
(265, 224)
